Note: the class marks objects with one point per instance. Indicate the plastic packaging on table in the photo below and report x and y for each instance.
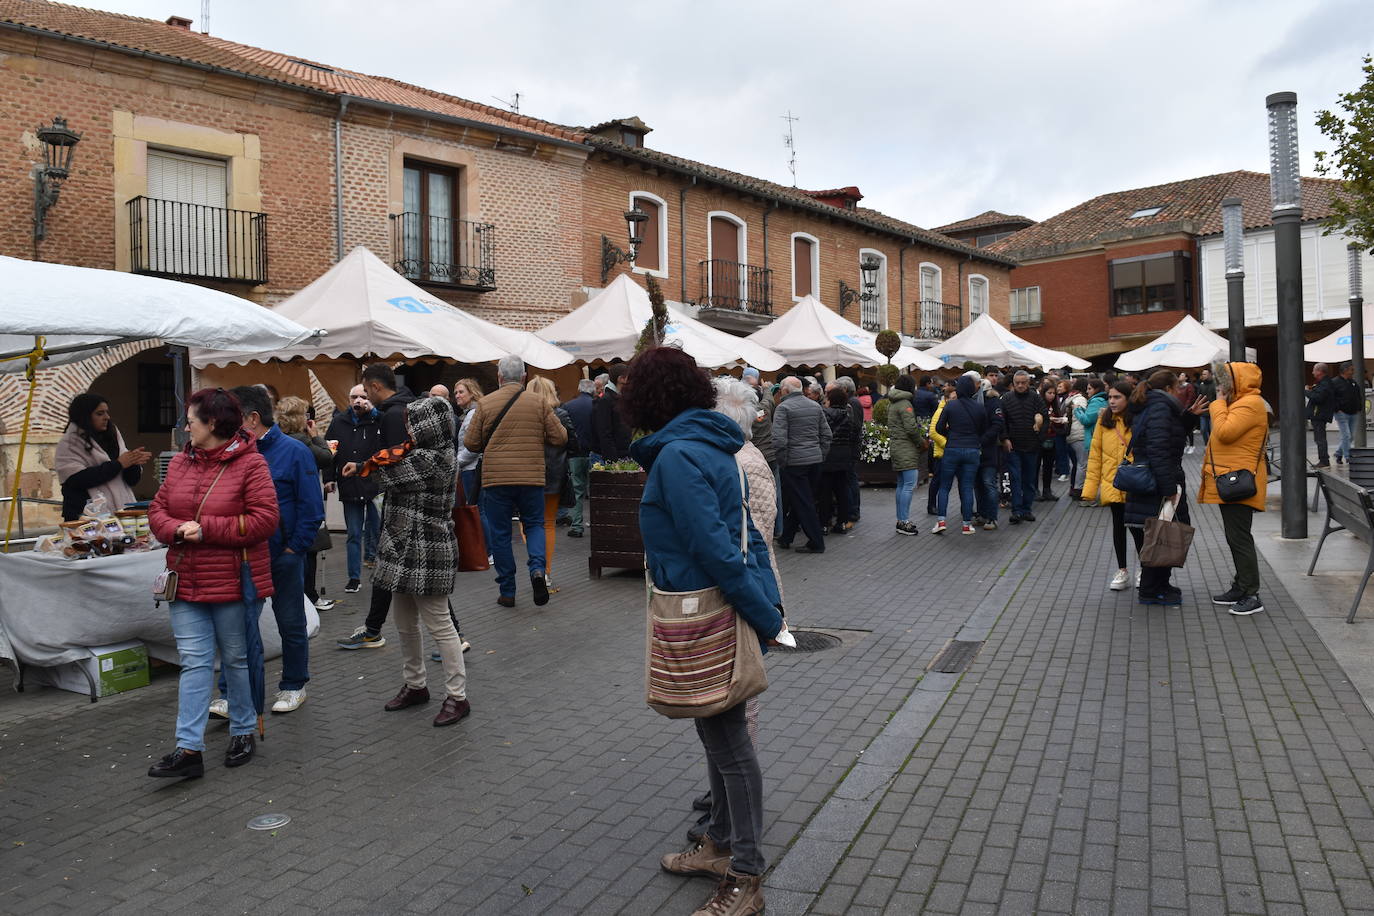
(97, 506)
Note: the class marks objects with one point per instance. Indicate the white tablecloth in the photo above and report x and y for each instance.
(52, 609)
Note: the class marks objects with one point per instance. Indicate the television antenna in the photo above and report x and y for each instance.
(513, 103)
(789, 140)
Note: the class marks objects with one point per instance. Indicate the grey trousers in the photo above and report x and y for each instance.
(736, 788)
(1236, 519)
(406, 612)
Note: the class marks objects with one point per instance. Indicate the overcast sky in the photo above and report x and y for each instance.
(937, 111)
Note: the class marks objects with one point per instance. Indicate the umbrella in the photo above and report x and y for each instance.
(257, 665)
(371, 310)
(1335, 347)
(986, 341)
(1187, 345)
(811, 334)
(607, 326)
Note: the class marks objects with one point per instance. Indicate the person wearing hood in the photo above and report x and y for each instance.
(905, 443)
(1240, 425)
(358, 434)
(963, 423)
(216, 508)
(417, 558)
(1159, 434)
(691, 522)
(1087, 416)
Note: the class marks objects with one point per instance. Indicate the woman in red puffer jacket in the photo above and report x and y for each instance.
(216, 509)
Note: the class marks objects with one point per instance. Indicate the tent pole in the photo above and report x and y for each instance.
(35, 358)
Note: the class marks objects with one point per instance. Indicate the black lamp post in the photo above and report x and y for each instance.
(1285, 192)
(868, 277)
(1233, 242)
(612, 255)
(59, 142)
(1355, 253)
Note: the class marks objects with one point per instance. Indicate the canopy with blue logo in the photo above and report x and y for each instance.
(987, 343)
(370, 310)
(1335, 347)
(809, 334)
(1187, 345)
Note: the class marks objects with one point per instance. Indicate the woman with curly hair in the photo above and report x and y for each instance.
(690, 519)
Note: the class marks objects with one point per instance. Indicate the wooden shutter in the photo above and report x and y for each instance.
(649, 250)
(802, 282)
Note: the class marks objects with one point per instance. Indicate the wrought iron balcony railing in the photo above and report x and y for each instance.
(938, 320)
(435, 249)
(737, 287)
(175, 239)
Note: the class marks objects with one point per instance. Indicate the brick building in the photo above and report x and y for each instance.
(742, 249)
(986, 228)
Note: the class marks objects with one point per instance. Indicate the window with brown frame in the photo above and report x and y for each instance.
(1151, 283)
(431, 233)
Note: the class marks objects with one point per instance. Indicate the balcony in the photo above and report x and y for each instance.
(170, 238)
(457, 253)
(735, 297)
(938, 321)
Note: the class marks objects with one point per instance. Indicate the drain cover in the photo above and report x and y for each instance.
(956, 656)
(810, 641)
(269, 821)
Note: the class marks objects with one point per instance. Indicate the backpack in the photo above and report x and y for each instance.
(1347, 395)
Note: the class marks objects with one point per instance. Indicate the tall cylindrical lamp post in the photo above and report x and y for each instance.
(1233, 243)
(1286, 197)
(1355, 253)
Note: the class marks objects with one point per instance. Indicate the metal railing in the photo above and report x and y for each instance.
(737, 287)
(435, 249)
(175, 239)
(938, 320)
(21, 536)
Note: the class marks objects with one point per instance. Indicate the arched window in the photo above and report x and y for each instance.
(874, 312)
(727, 245)
(653, 252)
(806, 265)
(977, 295)
(932, 302)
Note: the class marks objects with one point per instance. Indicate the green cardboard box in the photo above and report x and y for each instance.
(114, 668)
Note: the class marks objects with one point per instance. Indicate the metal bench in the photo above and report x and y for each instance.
(1348, 508)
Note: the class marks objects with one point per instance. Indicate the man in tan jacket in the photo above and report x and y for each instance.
(510, 430)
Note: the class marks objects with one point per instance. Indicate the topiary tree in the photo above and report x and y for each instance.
(880, 412)
(887, 375)
(657, 325)
(887, 343)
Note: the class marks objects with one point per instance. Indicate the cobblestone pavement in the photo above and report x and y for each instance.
(1097, 756)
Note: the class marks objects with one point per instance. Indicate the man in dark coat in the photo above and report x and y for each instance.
(579, 410)
(1321, 408)
(990, 467)
(1024, 413)
(610, 435)
(358, 433)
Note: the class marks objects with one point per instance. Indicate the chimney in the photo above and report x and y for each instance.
(180, 22)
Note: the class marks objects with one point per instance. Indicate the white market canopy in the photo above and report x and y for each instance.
(809, 334)
(607, 326)
(371, 310)
(986, 342)
(81, 311)
(1335, 347)
(1187, 345)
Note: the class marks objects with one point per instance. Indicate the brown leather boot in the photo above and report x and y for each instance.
(704, 858)
(736, 895)
(409, 696)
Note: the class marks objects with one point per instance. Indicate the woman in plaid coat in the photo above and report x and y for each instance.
(417, 555)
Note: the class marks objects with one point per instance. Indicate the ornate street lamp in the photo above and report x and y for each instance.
(1233, 243)
(1285, 193)
(1355, 255)
(868, 281)
(612, 255)
(59, 142)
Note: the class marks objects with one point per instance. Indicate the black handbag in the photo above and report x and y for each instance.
(1236, 486)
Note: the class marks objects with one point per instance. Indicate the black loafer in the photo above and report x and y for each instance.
(180, 764)
(541, 589)
(240, 751)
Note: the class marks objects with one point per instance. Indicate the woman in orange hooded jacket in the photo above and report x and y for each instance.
(1240, 425)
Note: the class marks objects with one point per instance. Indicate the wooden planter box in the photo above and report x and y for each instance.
(613, 498)
(877, 473)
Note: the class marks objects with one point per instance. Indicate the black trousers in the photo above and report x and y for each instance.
(1319, 437)
(1236, 519)
(798, 485)
(833, 497)
(1119, 533)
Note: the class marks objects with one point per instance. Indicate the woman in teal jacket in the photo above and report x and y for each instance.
(1087, 414)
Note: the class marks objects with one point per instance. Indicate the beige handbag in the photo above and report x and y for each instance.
(701, 657)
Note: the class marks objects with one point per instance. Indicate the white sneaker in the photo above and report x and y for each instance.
(1137, 578)
(288, 700)
(1120, 580)
(219, 708)
(1063, 477)
(324, 604)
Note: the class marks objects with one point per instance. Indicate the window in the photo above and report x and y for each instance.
(977, 295)
(983, 241)
(1025, 305)
(187, 217)
(874, 312)
(430, 229)
(932, 306)
(806, 265)
(727, 276)
(157, 404)
(1152, 283)
(1142, 213)
(653, 251)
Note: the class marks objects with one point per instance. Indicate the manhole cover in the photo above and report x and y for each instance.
(810, 641)
(269, 821)
(955, 656)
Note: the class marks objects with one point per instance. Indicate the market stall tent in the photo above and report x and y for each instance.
(1335, 347)
(607, 326)
(1187, 345)
(809, 334)
(987, 342)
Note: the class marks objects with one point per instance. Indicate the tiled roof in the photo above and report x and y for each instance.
(986, 218)
(134, 34)
(847, 191)
(795, 197)
(1192, 206)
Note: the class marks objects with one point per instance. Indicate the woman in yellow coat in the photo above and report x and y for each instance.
(1240, 424)
(1111, 438)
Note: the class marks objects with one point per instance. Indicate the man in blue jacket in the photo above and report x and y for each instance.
(296, 478)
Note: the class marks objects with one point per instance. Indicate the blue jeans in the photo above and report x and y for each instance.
(988, 495)
(1023, 466)
(1345, 422)
(958, 464)
(469, 486)
(364, 524)
(201, 628)
(906, 483)
(1205, 426)
(288, 606)
(501, 504)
